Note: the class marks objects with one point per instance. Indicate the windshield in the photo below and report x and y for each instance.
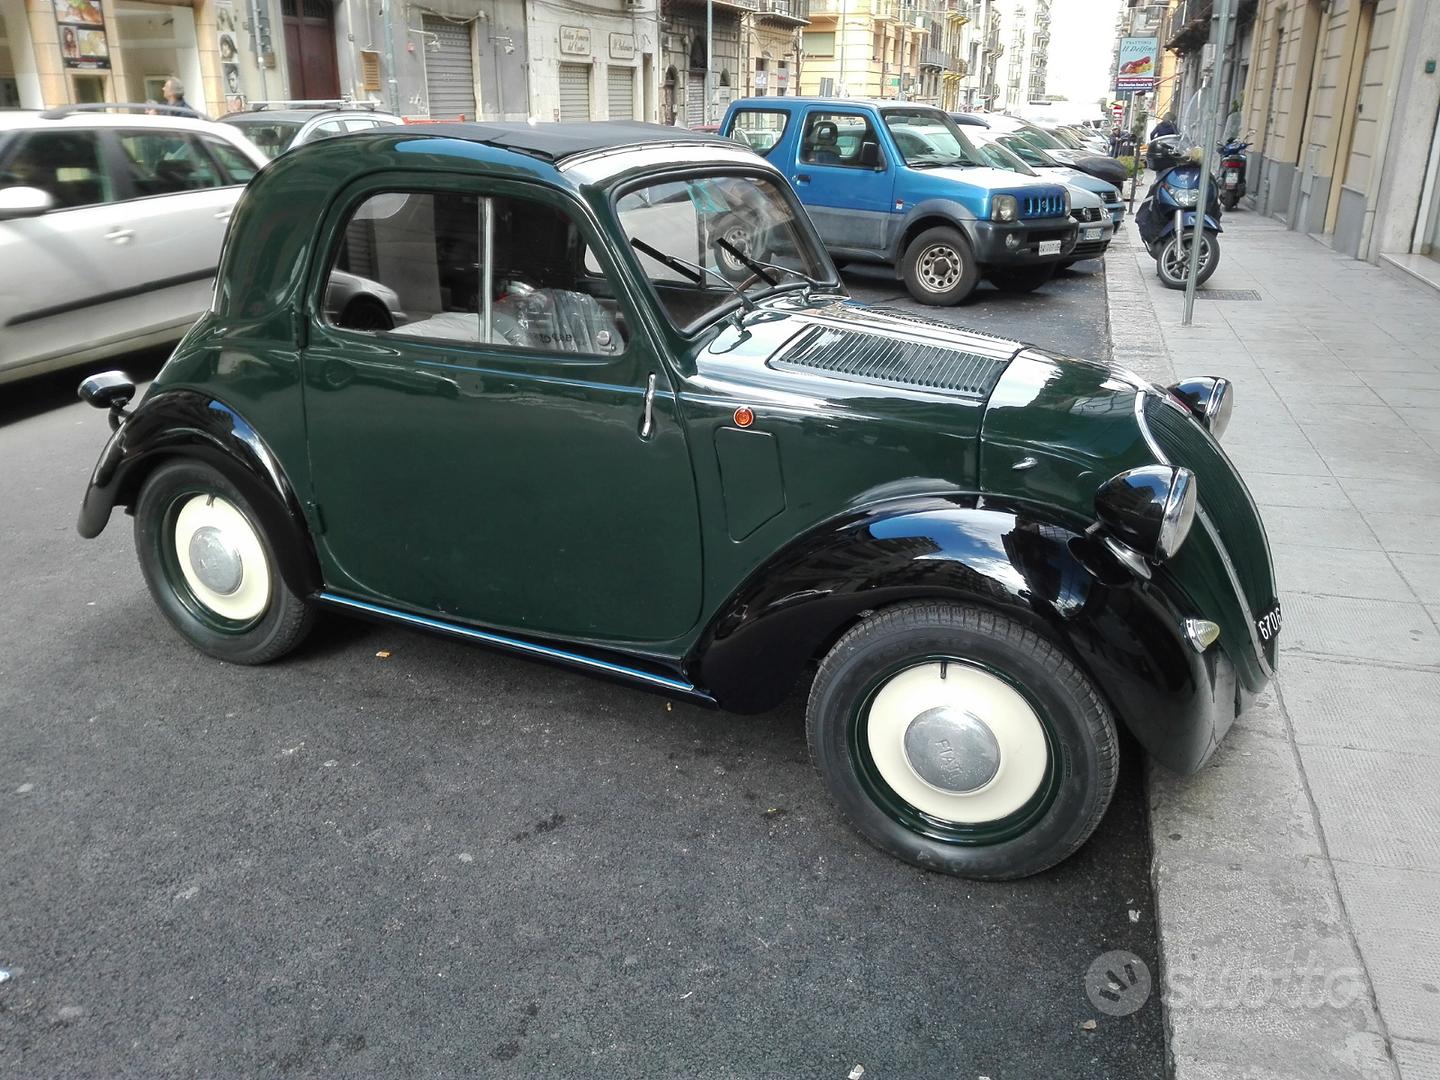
(704, 240)
(1065, 137)
(1026, 152)
(1036, 137)
(930, 139)
(997, 156)
(273, 137)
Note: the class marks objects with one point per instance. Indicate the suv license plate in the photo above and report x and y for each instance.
(1049, 247)
(1091, 234)
(1268, 625)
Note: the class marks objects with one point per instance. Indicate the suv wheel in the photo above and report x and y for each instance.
(211, 568)
(960, 741)
(938, 267)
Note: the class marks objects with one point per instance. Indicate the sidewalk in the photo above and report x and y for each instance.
(1297, 877)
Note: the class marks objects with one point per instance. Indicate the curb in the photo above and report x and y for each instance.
(1259, 972)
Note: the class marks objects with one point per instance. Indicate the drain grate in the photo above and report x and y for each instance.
(1226, 294)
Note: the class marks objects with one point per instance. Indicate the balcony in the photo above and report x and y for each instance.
(935, 58)
(784, 12)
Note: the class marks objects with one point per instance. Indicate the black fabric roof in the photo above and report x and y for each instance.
(556, 142)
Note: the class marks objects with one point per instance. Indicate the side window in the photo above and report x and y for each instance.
(167, 163)
(759, 129)
(844, 139)
(328, 130)
(360, 125)
(64, 163)
(411, 264)
(239, 168)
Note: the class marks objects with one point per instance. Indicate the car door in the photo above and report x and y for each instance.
(525, 472)
(844, 180)
(60, 271)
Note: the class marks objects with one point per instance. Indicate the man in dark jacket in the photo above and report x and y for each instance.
(1165, 127)
(174, 91)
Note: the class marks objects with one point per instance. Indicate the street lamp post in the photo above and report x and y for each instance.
(1220, 27)
(709, 57)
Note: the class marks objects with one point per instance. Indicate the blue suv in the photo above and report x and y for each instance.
(898, 183)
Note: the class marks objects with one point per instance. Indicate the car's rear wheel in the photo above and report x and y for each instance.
(211, 568)
(938, 267)
(1022, 279)
(961, 741)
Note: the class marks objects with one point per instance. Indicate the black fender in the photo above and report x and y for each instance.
(1124, 633)
(952, 211)
(188, 424)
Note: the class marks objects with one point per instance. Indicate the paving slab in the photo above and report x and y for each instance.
(1315, 830)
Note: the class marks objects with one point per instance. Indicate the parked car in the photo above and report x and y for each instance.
(1053, 168)
(899, 184)
(1086, 207)
(649, 470)
(274, 128)
(1096, 164)
(110, 229)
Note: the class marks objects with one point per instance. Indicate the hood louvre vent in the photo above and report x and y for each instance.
(892, 362)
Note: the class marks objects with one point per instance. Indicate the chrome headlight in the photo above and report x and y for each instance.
(1149, 510)
(1067, 199)
(1004, 208)
(1209, 399)
(1185, 196)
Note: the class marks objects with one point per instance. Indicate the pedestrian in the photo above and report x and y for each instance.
(174, 91)
(1117, 139)
(1166, 126)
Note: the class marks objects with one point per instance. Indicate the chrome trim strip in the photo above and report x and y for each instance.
(1214, 534)
(525, 647)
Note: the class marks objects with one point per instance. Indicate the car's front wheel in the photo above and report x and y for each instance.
(961, 741)
(938, 267)
(212, 569)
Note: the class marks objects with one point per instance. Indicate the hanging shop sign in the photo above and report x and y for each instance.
(83, 44)
(1138, 59)
(575, 40)
(622, 46)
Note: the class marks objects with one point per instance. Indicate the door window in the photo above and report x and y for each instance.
(239, 168)
(167, 163)
(328, 130)
(412, 264)
(64, 163)
(759, 129)
(844, 139)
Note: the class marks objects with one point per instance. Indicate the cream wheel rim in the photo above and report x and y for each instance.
(957, 743)
(222, 559)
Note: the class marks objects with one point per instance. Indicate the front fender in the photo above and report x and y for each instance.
(952, 210)
(1126, 635)
(186, 423)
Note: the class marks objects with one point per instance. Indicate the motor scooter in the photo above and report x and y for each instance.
(1232, 173)
(1166, 218)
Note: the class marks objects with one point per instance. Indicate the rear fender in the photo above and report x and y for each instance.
(187, 424)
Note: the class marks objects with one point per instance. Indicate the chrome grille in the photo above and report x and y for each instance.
(892, 361)
(1042, 206)
(1223, 497)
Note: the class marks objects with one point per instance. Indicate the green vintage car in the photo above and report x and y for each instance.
(593, 394)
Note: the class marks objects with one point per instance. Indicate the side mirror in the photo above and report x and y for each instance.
(870, 156)
(109, 390)
(23, 202)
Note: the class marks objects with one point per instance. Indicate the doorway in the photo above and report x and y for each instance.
(310, 49)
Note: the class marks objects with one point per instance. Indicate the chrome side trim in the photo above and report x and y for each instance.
(525, 647)
(1214, 535)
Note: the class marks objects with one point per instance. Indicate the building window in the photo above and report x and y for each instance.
(819, 44)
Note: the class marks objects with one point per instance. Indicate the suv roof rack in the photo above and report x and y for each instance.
(63, 111)
(341, 103)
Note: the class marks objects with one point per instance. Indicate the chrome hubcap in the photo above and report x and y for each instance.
(216, 563)
(957, 743)
(222, 559)
(952, 750)
(939, 268)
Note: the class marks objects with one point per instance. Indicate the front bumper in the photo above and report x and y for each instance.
(1017, 243)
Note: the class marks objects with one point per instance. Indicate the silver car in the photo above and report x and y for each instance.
(110, 230)
(275, 129)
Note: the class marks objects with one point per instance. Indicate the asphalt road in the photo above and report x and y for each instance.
(446, 862)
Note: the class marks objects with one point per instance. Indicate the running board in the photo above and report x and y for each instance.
(530, 649)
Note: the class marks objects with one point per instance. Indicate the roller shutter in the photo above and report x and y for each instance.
(695, 101)
(621, 81)
(450, 70)
(574, 92)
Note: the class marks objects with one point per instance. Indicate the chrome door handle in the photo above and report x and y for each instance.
(647, 423)
(224, 215)
(120, 236)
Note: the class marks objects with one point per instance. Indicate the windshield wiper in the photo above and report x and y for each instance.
(693, 271)
(756, 264)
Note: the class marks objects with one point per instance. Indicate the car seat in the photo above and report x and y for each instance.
(825, 147)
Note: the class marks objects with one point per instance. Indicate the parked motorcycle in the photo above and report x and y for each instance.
(1232, 173)
(1166, 219)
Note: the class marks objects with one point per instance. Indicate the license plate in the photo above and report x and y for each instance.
(1232, 176)
(1049, 247)
(1268, 625)
(1090, 234)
